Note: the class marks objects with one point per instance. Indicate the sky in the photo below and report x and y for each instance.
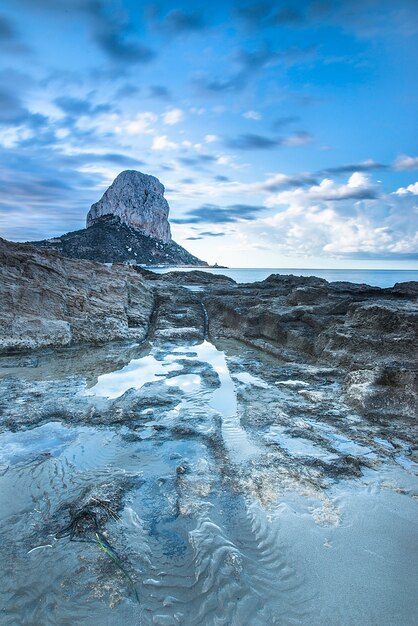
(285, 132)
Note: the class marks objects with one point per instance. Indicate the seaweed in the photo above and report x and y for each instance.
(85, 526)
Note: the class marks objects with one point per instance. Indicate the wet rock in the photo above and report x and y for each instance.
(354, 327)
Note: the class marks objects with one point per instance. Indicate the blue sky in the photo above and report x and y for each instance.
(285, 133)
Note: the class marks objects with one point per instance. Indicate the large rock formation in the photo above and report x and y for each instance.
(128, 224)
(138, 201)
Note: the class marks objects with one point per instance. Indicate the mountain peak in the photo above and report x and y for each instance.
(137, 199)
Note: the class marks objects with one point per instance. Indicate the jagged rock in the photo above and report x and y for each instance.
(369, 333)
(138, 201)
(48, 300)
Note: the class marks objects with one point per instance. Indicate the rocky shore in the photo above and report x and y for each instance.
(369, 334)
(232, 446)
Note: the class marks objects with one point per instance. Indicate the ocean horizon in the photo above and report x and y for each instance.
(375, 278)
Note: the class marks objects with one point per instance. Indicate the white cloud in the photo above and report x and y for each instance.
(413, 188)
(13, 136)
(252, 115)
(174, 116)
(141, 124)
(327, 220)
(211, 138)
(405, 162)
(358, 187)
(297, 139)
(161, 142)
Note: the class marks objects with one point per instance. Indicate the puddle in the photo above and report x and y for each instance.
(298, 446)
(407, 464)
(133, 376)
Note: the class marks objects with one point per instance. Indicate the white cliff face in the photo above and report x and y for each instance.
(138, 200)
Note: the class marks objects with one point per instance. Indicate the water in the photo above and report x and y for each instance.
(377, 278)
(230, 508)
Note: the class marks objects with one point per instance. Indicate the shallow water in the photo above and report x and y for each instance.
(230, 508)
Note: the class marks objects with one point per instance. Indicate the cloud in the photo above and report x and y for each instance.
(215, 214)
(252, 115)
(263, 15)
(358, 187)
(162, 142)
(251, 141)
(411, 189)
(287, 15)
(198, 159)
(140, 124)
(333, 220)
(9, 39)
(126, 91)
(364, 166)
(300, 138)
(279, 122)
(178, 22)
(314, 222)
(249, 63)
(211, 138)
(112, 34)
(42, 196)
(404, 162)
(77, 106)
(174, 116)
(159, 92)
(209, 233)
(284, 181)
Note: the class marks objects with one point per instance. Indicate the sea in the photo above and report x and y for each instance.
(376, 278)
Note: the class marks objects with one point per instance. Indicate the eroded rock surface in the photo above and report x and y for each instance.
(50, 301)
(369, 333)
(137, 199)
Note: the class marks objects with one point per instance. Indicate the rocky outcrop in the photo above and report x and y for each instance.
(50, 301)
(129, 224)
(366, 334)
(138, 201)
(370, 334)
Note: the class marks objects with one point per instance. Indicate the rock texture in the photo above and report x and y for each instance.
(129, 224)
(138, 201)
(50, 301)
(369, 333)
(110, 241)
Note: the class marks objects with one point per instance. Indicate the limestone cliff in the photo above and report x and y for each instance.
(138, 201)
